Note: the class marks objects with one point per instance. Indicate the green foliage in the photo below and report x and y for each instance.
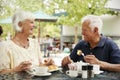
(7, 28)
(48, 28)
(10, 6)
(6, 8)
(31, 5)
(52, 30)
(76, 9)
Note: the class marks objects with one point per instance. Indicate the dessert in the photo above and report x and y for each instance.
(79, 52)
(52, 67)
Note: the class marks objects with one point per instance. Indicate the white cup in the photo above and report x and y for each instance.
(79, 66)
(31, 70)
(38, 70)
(41, 70)
(96, 68)
(72, 73)
(72, 66)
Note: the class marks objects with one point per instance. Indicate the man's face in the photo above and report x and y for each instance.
(87, 32)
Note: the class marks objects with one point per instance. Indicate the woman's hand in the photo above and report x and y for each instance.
(49, 61)
(23, 66)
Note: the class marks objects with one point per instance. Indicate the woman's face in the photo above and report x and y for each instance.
(28, 26)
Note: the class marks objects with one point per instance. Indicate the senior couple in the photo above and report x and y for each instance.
(19, 53)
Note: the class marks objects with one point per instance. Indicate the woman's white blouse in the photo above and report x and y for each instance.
(11, 55)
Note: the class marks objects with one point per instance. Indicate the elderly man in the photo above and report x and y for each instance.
(97, 48)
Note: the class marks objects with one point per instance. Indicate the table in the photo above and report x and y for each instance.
(58, 75)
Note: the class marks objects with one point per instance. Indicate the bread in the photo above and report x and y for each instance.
(52, 67)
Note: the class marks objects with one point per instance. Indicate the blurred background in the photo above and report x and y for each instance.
(60, 19)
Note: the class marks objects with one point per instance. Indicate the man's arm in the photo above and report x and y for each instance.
(66, 60)
(103, 65)
(109, 66)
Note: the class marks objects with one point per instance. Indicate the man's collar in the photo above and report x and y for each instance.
(101, 42)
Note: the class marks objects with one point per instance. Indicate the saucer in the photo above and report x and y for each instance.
(55, 69)
(99, 72)
(46, 74)
(71, 76)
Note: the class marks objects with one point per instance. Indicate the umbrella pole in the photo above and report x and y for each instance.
(39, 33)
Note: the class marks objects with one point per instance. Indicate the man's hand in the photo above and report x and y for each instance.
(66, 60)
(91, 59)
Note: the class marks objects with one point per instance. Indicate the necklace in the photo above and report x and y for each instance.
(20, 43)
(23, 45)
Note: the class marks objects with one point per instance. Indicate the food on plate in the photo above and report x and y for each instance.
(79, 52)
(52, 67)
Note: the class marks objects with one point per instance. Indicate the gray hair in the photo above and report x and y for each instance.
(20, 16)
(95, 21)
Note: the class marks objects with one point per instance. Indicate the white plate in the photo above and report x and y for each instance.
(99, 72)
(46, 74)
(55, 70)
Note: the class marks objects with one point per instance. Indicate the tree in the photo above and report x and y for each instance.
(8, 8)
(76, 9)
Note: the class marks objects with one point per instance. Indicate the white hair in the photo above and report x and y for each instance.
(20, 16)
(95, 21)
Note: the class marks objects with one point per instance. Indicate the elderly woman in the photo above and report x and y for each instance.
(19, 53)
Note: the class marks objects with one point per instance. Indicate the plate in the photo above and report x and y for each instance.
(46, 74)
(55, 69)
(99, 72)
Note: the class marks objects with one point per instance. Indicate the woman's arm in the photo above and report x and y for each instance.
(21, 67)
(5, 71)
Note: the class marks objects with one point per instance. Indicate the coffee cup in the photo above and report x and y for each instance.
(41, 70)
(72, 66)
(96, 69)
(72, 73)
(31, 70)
(79, 66)
(38, 70)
